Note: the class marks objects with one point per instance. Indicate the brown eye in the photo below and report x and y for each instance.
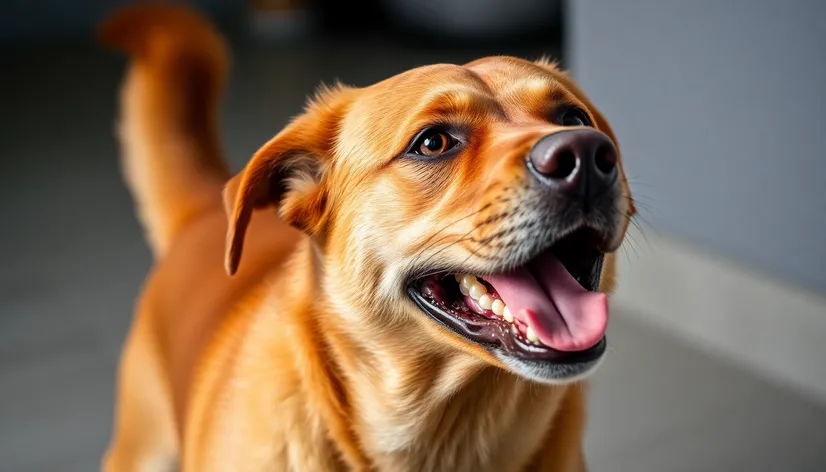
(432, 143)
(435, 144)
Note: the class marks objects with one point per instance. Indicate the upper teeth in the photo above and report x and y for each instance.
(477, 290)
(498, 307)
(486, 301)
(469, 280)
(470, 286)
(506, 313)
(473, 288)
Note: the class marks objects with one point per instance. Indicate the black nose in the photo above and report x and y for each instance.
(577, 162)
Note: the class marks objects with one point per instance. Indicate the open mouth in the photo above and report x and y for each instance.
(548, 309)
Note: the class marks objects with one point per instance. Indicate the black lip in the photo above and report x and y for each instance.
(495, 334)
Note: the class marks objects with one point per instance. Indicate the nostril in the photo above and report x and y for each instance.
(605, 160)
(563, 166)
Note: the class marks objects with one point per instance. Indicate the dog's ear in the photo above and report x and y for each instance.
(287, 173)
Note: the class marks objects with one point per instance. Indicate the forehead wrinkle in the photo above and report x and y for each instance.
(396, 99)
(463, 104)
(444, 74)
(524, 87)
(534, 83)
(384, 130)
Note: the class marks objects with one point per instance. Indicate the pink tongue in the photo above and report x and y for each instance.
(545, 296)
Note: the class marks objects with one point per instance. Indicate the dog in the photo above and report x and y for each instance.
(410, 276)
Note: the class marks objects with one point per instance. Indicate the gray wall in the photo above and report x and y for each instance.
(721, 114)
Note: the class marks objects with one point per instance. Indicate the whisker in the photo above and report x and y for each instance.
(481, 245)
(638, 183)
(640, 229)
(640, 197)
(462, 238)
(427, 243)
(644, 206)
(484, 207)
(636, 218)
(633, 244)
(625, 251)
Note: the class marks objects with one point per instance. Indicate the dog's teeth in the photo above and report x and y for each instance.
(514, 330)
(498, 306)
(486, 301)
(464, 290)
(468, 280)
(506, 313)
(531, 335)
(477, 290)
(458, 277)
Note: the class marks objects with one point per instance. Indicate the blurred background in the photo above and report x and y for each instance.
(718, 357)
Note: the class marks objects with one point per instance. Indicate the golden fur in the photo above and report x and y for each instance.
(311, 357)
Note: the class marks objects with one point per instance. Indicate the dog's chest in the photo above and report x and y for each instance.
(500, 430)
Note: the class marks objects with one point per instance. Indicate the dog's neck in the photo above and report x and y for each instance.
(425, 408)
(427, 411)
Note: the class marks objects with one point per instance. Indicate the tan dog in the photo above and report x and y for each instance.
(352, 335)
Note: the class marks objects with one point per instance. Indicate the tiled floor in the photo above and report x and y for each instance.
(73, 259)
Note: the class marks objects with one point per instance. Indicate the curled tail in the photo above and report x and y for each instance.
(168, 129)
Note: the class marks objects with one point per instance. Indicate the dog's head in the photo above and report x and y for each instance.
(486, 199)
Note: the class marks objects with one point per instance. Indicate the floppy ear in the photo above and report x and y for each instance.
(287, 173)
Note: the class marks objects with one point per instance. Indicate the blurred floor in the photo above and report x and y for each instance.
(74, 259)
